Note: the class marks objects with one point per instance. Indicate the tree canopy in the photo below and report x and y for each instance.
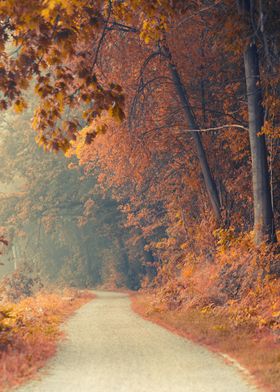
(167, 114)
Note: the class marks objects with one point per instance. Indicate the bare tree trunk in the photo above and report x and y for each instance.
(149, 258)
(263, 212)
(81, 237)
(124, 267)
(192, 125)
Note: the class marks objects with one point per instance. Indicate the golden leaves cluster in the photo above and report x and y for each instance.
(50, 44)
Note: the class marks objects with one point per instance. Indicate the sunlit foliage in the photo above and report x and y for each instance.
(29, 331)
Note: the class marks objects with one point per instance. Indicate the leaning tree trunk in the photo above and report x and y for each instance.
(263, 212)
(192, 125)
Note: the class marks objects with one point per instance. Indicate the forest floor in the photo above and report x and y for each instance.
(111, 348)
(257, 351)
(30, 331)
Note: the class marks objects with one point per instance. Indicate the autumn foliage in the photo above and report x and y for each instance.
(151, 166)
(29, 331)
(168, 115)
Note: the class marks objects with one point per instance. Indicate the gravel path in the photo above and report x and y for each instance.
(111, 349)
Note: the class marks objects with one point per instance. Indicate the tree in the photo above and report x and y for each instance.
(111, 94)
(263, 213)
(194, 128)
(59, 222)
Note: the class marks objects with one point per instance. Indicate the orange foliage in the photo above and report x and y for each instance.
(135, 138)
(257, 351)
(29, 331)
(239, 281)
(150, 165)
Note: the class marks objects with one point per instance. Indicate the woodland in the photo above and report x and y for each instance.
(140, 150)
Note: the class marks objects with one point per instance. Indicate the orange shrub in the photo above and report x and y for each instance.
(29, 331)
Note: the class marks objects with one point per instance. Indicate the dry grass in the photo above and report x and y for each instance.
(256, 350)
(29, 332)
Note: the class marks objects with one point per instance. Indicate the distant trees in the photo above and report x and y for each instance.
(168, 106)
(60, 224)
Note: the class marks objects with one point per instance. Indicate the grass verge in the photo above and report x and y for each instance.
(256, 350)
(29, 332)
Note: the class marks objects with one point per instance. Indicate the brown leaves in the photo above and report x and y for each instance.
(4, 241)
(3, 104)
(116, 113)
(90, 137)
(63, 34)
(20, 105)
(52, 42)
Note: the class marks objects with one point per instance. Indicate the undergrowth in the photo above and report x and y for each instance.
(223, 291)
(256, 350)
(29, 332)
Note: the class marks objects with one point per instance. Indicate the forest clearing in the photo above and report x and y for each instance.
(140, 146)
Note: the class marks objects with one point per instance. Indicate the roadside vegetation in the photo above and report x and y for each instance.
(256, 350)
(30, 328)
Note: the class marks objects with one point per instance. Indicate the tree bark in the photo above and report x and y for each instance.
(263, 213)
(80, 235)
(151, 270)
(192, 125)
(124, 267)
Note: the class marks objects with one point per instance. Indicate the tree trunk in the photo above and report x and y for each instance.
(124, 267)
(151, 269)
(263, 212)
(192, 125)
(81, 237)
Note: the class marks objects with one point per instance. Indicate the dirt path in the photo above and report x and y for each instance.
(111, 349)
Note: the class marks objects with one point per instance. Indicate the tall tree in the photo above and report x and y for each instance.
(194, 128)
(263, 213)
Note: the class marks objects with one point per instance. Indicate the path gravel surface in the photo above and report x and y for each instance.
(112, 349)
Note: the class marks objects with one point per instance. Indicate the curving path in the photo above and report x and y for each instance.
(111, 349)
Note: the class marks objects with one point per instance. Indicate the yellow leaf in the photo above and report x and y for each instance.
(116, 112)
(19, 105)
(60, 100)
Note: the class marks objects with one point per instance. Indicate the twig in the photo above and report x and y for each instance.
(217, 128)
